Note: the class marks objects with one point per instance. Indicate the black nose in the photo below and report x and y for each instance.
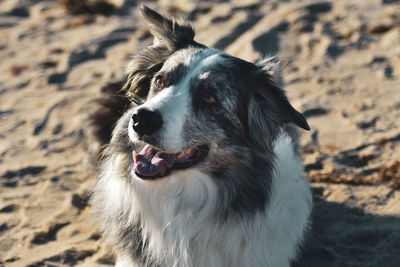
(146, 122)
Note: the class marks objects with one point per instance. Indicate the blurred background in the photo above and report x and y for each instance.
(341, 67)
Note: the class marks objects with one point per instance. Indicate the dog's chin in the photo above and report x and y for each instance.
(152, 163)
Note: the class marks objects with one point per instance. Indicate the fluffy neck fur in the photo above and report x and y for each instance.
(173, 223)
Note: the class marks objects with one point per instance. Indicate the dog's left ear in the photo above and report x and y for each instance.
(271, 92)
(171, 33)
(285, 111)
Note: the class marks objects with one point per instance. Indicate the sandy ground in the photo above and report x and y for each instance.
(342, 69)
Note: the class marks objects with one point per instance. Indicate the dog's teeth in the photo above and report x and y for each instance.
(134, 155)
(180, 156)
(184, 155)
(189, 151)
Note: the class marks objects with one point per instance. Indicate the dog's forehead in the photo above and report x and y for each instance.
(193, 59)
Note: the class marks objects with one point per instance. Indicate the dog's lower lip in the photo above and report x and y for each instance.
(155, 177)
(186, 159)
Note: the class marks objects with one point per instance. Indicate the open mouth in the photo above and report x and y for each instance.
(152, 163)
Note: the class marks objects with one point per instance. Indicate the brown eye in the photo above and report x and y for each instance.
(209, 99)
(159, 82)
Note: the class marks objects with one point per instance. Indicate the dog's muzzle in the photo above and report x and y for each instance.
(146, 122)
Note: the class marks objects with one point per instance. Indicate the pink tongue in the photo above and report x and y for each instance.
(152, 162)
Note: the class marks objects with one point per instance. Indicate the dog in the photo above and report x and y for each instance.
(200, 164)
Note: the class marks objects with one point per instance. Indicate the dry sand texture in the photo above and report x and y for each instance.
(342, 69)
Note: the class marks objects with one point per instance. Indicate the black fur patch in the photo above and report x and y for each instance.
(170, 36)
(109, 108)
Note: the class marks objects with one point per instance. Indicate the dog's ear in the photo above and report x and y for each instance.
(271, 70)
(285, 112)
(173, 34)
(169, 36)
(269, 108)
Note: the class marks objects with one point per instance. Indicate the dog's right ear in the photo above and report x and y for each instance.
(169, 36)
(173, 34)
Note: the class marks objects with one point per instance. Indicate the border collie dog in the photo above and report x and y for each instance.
(200, 164)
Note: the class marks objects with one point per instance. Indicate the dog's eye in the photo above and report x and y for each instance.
(159, 82)
(209, 99)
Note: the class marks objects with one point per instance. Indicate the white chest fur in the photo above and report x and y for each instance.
(177, 216)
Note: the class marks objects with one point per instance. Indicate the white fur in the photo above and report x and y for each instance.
(177, 216)
(175, 103)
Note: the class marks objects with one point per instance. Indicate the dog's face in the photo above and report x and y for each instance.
(195, 111)
(203, 109)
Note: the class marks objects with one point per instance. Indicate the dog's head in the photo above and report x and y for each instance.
(203, 109)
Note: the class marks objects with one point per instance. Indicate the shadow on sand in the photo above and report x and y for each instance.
(347, 236)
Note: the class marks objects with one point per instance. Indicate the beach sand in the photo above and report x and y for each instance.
(341, 67)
